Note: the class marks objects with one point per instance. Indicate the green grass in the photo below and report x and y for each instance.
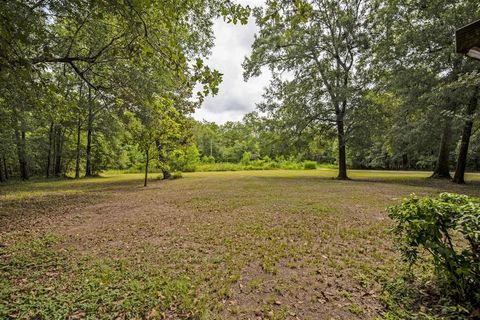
(55, 285)
(214, 245)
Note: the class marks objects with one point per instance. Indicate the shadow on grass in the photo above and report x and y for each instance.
(39, 185)
(472, 187)
(422, 297)
(421, 182)
(23, 200)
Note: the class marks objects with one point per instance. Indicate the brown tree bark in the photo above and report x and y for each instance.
(59, 150)
(146, 168)
(5, 168)
(77, 160)
(442, 168)
(466, 134)
(88, 165)
(22, 157)
(2, 177)
(20, 141)
(342, 157)
(49, 152)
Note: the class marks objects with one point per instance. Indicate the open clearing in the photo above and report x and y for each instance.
(247, 245)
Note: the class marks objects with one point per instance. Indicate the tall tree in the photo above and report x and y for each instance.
(465, 140)
(318, 44)
(414, 38)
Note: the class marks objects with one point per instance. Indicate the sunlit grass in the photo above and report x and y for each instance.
(43, 187)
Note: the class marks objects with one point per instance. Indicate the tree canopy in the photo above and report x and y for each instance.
(93, 85)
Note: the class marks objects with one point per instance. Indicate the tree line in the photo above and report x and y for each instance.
(383, 75)
(93, 85)
(84, 80)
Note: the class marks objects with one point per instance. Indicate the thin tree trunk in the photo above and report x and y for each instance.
(55, 149)
(2, 179)
(22, 159)
(20, 140)
(58, 155)
(88, 165)
(5, 167)
(77, 162)
(466, 134)
(49, 152)
(342, 158)
(442, 168)
(146, 169)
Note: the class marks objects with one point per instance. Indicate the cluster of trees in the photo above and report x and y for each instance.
(92, 84)
(260, 137)
(88, 85)
(382, 76)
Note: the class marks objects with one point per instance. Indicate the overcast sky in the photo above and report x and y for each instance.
(235, 97)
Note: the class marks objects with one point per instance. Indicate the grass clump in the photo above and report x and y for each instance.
(309, 165)
(176, 175)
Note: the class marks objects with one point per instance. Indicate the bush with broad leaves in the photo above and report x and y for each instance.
(447, 228)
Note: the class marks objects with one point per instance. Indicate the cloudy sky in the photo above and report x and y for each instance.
(236, 97)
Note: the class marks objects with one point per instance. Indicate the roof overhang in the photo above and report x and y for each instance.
(468, 40)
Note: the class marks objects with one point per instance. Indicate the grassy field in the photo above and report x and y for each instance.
(221, 245)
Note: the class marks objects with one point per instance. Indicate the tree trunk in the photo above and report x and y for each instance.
(5, 168)
(405, 161)
(442, 168)
(49, 152)
(146, 169)
(466, 134)
(77, 161)
(58, 151)
(165, 172)
(342, 158)
(88, 165)
(22, 157)
(2, 179)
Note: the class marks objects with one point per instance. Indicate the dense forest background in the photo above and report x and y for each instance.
(88, 86)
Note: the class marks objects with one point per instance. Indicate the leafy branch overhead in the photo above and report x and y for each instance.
(93, 37)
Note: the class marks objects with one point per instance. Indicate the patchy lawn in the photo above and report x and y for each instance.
(246, 245)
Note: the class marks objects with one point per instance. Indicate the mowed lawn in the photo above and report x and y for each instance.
(217, 245)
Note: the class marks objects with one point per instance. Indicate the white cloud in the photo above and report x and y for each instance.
(235, 97)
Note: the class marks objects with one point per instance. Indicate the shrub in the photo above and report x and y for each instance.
(246, 158)
(219, 166)
(309, 165)
(176, 175)
(447, 228)
(208, 159)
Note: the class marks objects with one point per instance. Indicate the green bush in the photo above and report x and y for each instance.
(219, 166)
(208, 159)
(447, 228)
(246, 158)
(176, 175)
(259, 164)
(309, 165)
